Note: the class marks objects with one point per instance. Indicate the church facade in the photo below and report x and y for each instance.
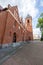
(12, 28)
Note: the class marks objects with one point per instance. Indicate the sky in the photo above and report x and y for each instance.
(31, 7)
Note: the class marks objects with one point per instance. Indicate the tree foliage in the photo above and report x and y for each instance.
(40, 23)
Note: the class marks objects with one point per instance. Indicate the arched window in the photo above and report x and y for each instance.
(28, 21)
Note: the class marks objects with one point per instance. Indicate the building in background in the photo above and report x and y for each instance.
(36, 34)
(12, 28)
(36, 37)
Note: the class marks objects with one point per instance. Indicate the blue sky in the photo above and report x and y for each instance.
(32, 7)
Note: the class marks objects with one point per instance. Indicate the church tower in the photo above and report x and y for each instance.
(28, 23)
(28, 26)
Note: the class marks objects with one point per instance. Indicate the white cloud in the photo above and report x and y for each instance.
(25, 6)
(4, 3)
(41, 3)
(28, 7)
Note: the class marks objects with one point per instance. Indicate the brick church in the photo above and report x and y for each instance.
(12, 28)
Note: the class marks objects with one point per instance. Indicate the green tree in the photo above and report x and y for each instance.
(40, 25)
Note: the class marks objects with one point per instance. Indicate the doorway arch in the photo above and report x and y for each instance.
(14, 37)
(29, 38)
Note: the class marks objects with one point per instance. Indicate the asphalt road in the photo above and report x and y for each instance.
(29, 54)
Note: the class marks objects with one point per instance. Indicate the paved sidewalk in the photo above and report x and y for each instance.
(5, 53)
(29, 54)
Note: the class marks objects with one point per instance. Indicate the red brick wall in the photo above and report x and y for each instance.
(3, 16)
(9, 26)
(28, 26)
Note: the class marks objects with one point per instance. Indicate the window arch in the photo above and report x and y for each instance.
(28, 21)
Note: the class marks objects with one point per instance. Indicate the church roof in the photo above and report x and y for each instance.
(28, 16)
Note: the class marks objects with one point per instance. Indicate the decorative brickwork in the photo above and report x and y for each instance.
(12, 28)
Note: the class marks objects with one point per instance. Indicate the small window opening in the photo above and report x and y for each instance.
(28, 21)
